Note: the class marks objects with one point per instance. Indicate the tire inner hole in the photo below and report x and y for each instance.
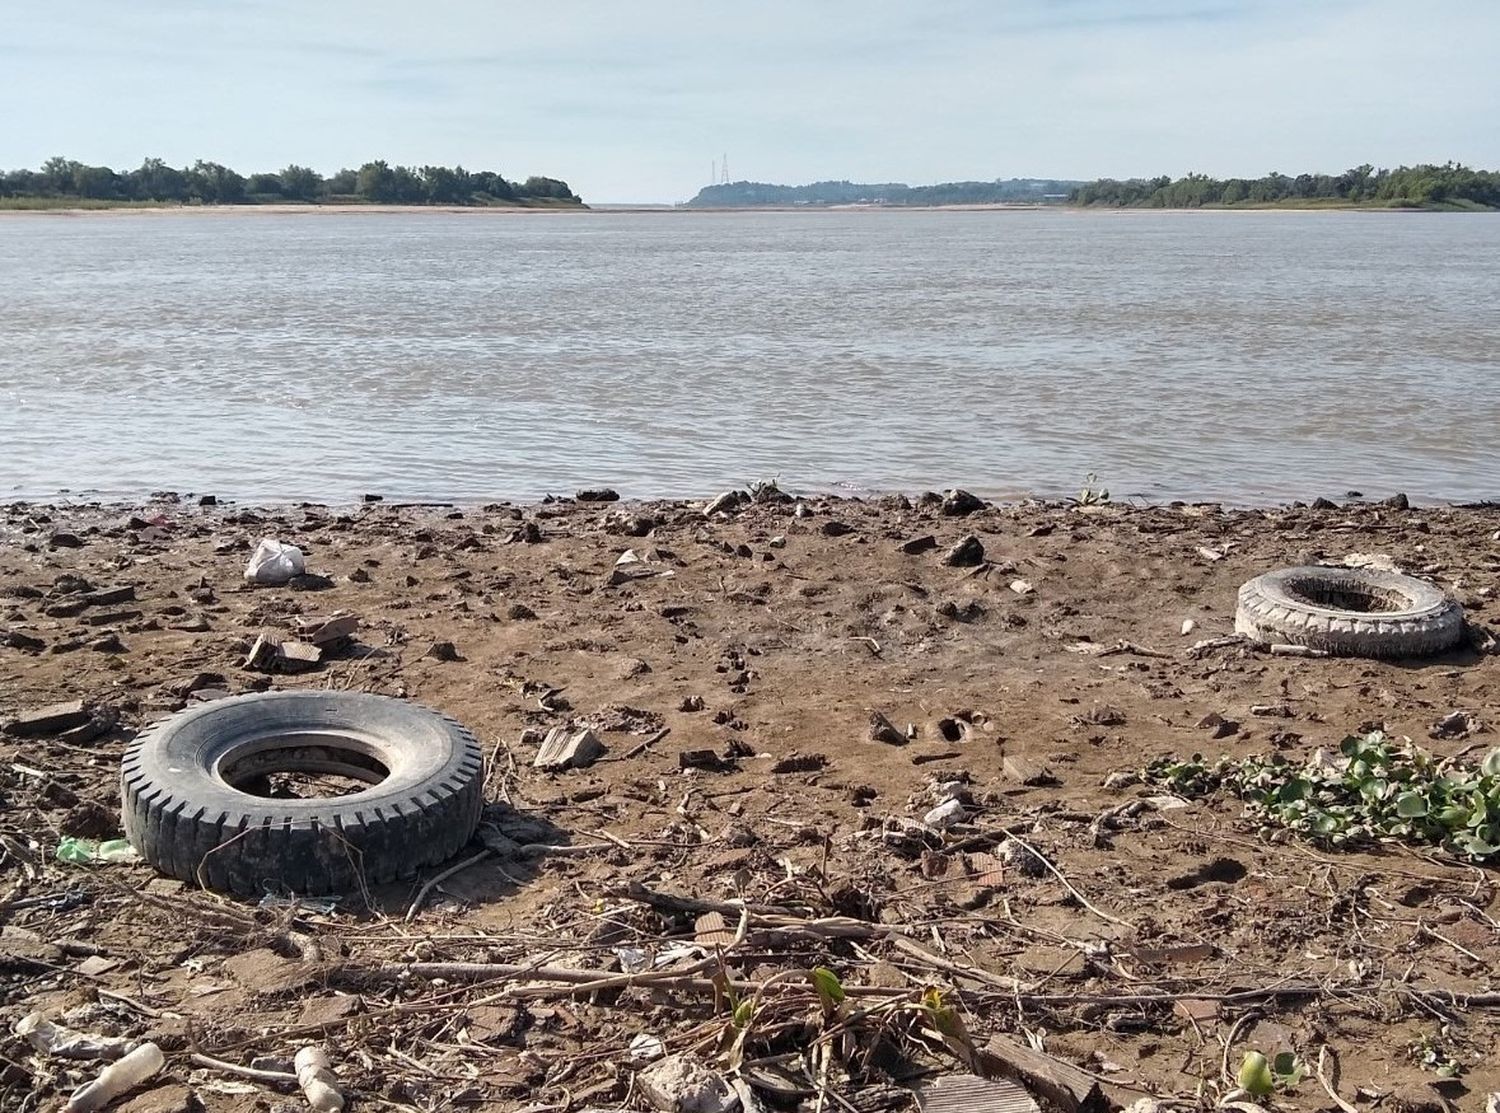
(301, 767)
(1343, 596)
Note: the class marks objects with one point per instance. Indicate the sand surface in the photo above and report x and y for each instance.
(788, 631)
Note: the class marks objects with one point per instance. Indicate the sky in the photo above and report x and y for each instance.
(630, 101)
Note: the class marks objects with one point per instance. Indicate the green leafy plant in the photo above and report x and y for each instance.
(1377, 788)
(1428, 1053)
(1261, 1077)
(1092, 494)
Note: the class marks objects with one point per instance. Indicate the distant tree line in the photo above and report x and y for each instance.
(1449, 185)
(209, 183)
(739, 194)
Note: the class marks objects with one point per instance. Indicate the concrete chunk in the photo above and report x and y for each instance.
(568, 748)
(42, 721)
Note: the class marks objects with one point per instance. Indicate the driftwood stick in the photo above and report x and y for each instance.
(426, 890)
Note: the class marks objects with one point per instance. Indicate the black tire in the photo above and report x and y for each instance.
(185, 816)
(1349, 612)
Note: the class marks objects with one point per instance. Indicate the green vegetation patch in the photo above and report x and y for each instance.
(1377, 788)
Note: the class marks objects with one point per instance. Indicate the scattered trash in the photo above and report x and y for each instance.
(1026, 772)
(682, 1084)
(328, 630)
(568, 748)
(120, 1076)
(633, 566)
(270, 653)
(646, 1048)
(58, 1039)
(968, 1093)
(1282, 649)
(318, 1082)
(88, 851)
(274, 563)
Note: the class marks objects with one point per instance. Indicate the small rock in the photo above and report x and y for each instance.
(1271, 710)
(945, 815)
(1022, 587)
(1321, 503)
(598, 494)
(90, 819)
(1025, 862)
(691, 703)
(208, 500)
(65, 541)
(835, 529)
(109, 643)
(369, 498)
(109, 596)
(1396, 502)
(1188, 626)
(968, 553)
(919, 545)
(442, 651)
(801, 763)
(633, 667)
(527, 533)
(309, 581)
(520, 612)
(359, 576)
(882, 730)
(1455, 724)
(704, 759)
(959, 503)
(1221, 727)
(802, 510)
(1124, 778)
(17, 639)
(777, 542)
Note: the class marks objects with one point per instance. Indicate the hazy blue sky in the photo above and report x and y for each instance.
(629, 100)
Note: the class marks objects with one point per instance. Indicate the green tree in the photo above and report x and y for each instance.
(156, 181)
(376, 183)
(298, 183)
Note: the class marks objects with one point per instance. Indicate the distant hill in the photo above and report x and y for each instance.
(742, 194)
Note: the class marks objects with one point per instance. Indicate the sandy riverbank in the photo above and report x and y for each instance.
(790, 631)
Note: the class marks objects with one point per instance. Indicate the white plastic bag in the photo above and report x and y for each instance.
(274, 563)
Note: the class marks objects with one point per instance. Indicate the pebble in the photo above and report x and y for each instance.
(945, 815)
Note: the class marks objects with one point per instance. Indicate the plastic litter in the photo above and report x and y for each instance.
(85, 851)
(68, 1043)
(274, 562)
(319, 1083)
(115, 1079)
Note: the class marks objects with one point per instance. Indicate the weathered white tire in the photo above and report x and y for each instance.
(1349, 612)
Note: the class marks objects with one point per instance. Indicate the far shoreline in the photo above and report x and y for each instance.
(685, 210)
